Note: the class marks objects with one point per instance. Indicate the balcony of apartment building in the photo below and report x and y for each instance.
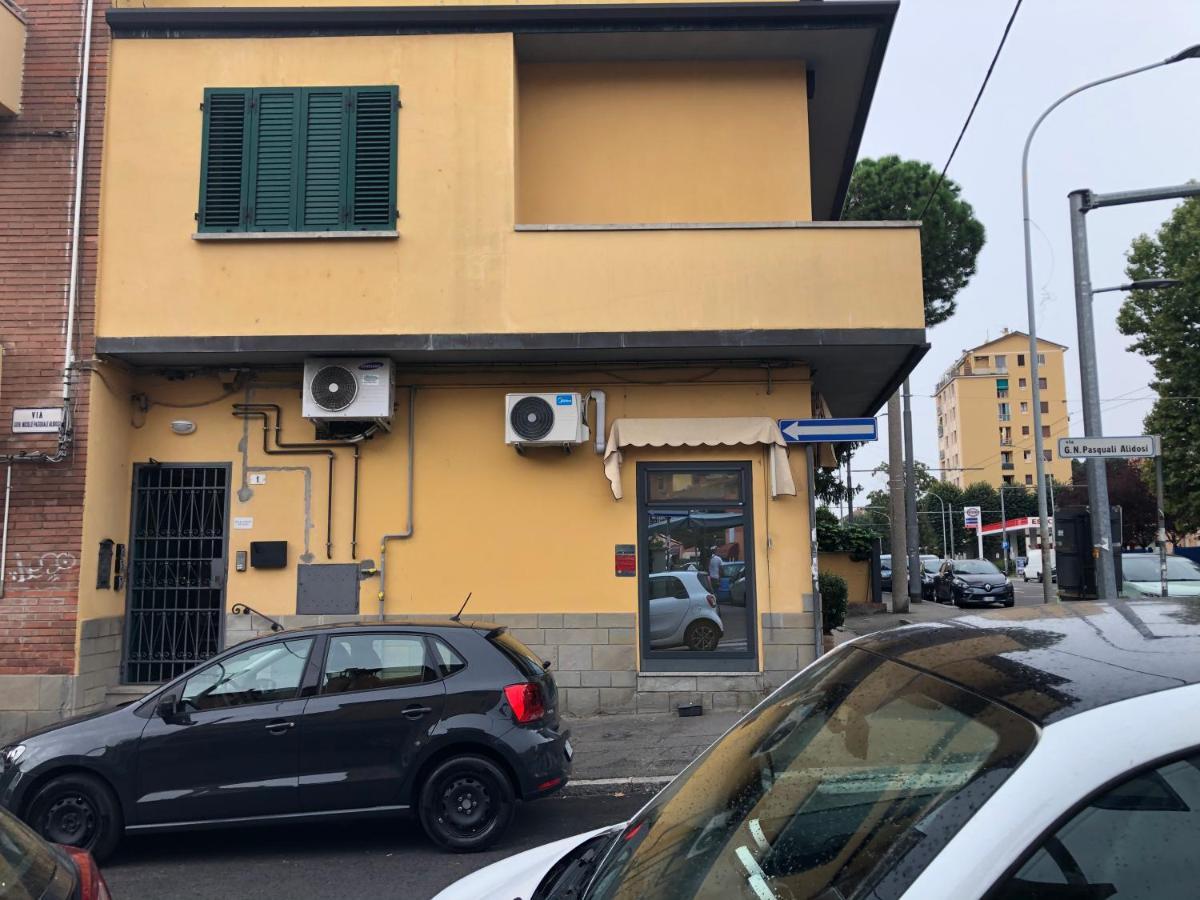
(12, 58)
(663, 188)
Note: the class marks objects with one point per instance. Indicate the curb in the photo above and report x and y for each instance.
(632, 784)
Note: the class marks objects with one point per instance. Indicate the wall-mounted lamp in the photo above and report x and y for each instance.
(183, 426)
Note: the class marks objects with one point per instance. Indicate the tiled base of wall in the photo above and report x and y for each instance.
(594, 659)
(31, 701)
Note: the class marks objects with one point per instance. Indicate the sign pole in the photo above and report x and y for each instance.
(1162, 527)
(818, 626)
(979, 537)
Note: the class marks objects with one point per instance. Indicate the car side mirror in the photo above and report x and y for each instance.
(167, 708)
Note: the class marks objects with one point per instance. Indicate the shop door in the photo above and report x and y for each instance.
(177, 565)
(696, 567)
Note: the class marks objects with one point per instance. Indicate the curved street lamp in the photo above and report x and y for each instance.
(1193, 52)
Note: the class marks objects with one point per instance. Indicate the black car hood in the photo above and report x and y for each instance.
(73, 720)
(980, 580)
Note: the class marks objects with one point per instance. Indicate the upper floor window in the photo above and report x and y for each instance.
(1041, 359)
(1020, 359)
(298, 159)
(1001, 361)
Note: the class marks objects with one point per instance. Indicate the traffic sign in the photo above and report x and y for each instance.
(812, 431)
(1139, 447)
(972, 515)
(1004, 545)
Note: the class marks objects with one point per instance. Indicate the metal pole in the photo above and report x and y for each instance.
(979, 533)
(1162, 525)
(1048, 594)
(950, 519)
(818, 625)
(849, 490)
(1097, 475)
(1003, 530)
(910, 503)
(896, 499)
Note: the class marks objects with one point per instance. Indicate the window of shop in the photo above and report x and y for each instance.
(696, 541)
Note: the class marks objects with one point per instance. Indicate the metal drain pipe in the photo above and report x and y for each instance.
(408, 529)
(4, 537)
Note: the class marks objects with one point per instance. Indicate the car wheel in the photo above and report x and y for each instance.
(702, 635)
(960, 603)
(466, 804)
(1008, 604)
(78, 810)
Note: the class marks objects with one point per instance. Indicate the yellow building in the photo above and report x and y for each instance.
(985, 413)
(353, 263)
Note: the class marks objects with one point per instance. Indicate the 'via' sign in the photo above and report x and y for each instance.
(42, 420)
(1143, 447)
(814, 431)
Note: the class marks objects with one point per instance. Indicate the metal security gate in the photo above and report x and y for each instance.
(177, 564)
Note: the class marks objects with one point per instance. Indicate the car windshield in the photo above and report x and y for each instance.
(931, 565)
(845, 785)
(731, 570)
(27, 865)
(975, 567)
(1144, 567)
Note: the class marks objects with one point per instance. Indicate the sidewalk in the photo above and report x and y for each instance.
(638, 753)
(877, 618)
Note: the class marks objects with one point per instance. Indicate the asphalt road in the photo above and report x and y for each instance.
(373, 860)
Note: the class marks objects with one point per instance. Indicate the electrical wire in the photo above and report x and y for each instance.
(979, 96)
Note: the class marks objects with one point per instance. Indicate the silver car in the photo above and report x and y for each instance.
(683, 612)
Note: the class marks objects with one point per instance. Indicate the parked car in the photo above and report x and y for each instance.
(683, 612)
(730, 572)
(1034, 571)
(453, 721)
(1049, 752)
(885, 571)
(965, 581)
(32, 869)
(1140, 572)
(737, 590)
(930, 567)
(885, 562)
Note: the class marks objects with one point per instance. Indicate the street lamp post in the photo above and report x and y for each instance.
(1048, 595)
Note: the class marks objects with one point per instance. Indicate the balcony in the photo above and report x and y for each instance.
(1007, 467)
(12, 58)
(1005, 417)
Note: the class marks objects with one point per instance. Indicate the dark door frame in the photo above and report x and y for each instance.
(684, 660)
(130, 559)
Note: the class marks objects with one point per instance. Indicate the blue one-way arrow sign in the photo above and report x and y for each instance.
(810, 431)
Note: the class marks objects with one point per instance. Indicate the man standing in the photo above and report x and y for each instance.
(714, 567)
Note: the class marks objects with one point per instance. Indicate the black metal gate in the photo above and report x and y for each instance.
(176, 600)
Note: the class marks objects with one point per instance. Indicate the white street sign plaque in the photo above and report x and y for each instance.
(972, 516)
(42, 420)
(1139, 447)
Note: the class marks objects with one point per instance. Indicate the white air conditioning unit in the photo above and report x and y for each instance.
(348, 388)
(544, 420)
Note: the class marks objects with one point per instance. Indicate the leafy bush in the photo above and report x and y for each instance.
(834, 595)
(837, 537)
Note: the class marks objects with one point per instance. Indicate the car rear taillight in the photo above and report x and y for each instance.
(91, 882)
(526, 701)
(712, 601)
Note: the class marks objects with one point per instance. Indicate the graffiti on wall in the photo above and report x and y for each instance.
(47, 568)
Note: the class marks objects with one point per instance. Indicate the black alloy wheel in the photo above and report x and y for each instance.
(466, 804)
(702, 635)
(78, 810)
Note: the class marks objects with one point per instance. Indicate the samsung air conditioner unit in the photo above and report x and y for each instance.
(348, 389)
(544, 420)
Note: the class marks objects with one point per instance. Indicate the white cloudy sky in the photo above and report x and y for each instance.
(1140, 132)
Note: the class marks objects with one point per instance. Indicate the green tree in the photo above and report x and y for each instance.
(1129, 488)
(1165, 324)
(891, 188)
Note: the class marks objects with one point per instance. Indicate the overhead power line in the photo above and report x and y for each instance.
(979, 96)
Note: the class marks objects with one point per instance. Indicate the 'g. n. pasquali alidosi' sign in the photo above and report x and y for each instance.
(1140, 447)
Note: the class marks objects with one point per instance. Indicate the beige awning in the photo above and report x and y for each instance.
(729, 432)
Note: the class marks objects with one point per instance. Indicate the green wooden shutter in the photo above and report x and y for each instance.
(275, 153)
(373, 159)
(224, 160)
(326, 119)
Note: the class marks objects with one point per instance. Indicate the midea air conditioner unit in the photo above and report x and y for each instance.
(348, 389)
(544, 420)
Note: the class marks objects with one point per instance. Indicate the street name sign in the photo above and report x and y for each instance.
(40, 420)
(816, 431)
(1138, 447)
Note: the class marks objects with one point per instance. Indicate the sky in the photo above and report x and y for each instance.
(1140, 132)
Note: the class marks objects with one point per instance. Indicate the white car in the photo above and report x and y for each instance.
(683, 612)
(1141, 576)
(1041, 753)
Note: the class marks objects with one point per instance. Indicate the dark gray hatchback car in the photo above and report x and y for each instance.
(453, 720)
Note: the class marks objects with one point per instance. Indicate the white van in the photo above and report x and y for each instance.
(1033, 567)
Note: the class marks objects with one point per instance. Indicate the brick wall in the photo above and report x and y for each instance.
(37, 611)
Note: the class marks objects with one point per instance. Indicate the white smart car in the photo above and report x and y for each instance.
(1047, 753)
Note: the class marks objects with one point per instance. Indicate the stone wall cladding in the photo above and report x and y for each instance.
(594, 659)
(99, 661)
